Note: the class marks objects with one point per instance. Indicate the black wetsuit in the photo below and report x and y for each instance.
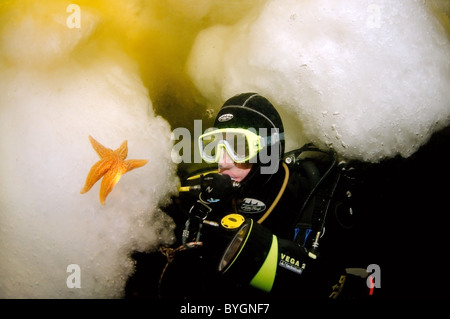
(197, 268)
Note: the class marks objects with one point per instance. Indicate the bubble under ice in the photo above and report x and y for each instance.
(369, 79)
(50, 103)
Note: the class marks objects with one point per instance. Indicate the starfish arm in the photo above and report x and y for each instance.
(110, 179)
(132, 164)
(97, 171)
(122, 151)
(100, 149)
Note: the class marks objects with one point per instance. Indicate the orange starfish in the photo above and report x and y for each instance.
(111, 166)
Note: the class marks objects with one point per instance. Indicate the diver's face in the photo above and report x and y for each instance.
(237, 171)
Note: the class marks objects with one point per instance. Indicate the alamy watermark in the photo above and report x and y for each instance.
(374, 278)
(74, 279)
(73, 21)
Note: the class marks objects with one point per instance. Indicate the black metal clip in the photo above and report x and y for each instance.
(198, 213)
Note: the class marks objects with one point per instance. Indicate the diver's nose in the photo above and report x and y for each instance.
(225, 161)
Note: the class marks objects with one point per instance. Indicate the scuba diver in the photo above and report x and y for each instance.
(251, 227)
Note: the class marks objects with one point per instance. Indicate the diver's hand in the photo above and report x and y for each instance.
(217, 187)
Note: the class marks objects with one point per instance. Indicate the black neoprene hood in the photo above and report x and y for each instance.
(251, 110)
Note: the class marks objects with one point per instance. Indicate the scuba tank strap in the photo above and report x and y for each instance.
(318, 225)
(310, 223)
(303, 226)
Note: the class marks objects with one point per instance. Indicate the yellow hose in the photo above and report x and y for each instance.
(280, 193)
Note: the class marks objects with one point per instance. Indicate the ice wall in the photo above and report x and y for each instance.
(51, 100)
(369, 79)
